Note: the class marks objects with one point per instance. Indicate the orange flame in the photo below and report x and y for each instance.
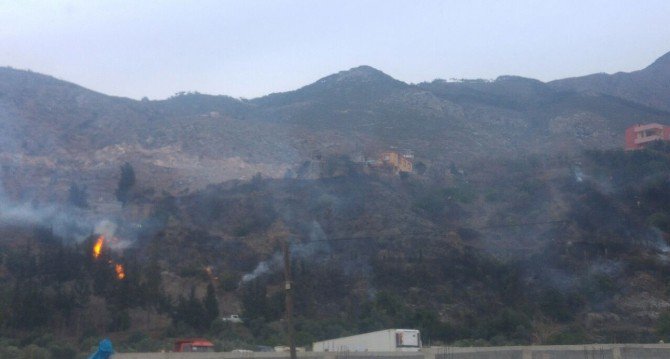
(97, 248)
(120, 272)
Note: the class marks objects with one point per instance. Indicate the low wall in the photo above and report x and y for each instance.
(590, 351)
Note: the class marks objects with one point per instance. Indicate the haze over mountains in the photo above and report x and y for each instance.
(648, 86)
(54, 132)
(524, 221)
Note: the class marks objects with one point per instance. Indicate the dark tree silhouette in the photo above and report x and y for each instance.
(126, 183)
(78, 196)
(211, 304)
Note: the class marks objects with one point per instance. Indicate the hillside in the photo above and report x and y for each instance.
(542, 249)
(523, 222)
(648, 86)
(62, 132)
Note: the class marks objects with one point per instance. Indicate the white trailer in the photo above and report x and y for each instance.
(389, 340)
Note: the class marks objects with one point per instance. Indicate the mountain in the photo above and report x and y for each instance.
(525, 221)
(65, 132)
(648, 86)
(530, 250)
(360, 84)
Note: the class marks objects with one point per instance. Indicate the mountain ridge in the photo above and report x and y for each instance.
(367, 73)
(648, 86)
(524, 222)
(357, 112)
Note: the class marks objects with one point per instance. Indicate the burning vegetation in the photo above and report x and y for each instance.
(97, 252)
(97, 247)
(582, 272)
(120, 273)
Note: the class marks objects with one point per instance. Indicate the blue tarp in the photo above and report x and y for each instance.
(105, 350)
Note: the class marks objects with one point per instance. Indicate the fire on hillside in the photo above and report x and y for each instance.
(97, 252)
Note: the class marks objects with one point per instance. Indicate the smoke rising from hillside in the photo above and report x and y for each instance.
(263, 267)
(65, 222)
(315, 245)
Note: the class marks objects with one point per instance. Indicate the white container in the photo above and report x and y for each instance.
(389, 340)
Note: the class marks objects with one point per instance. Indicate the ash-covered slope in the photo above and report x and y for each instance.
(649, 86)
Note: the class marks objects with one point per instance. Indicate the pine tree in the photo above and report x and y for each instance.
(126, 183)
(78, 196)
(211, 304)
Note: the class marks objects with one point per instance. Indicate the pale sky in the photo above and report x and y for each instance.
(246, 48)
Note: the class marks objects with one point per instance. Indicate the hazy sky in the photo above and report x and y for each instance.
(250, 48)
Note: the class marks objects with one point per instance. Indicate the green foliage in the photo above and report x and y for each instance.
(311, 330)
(420, 168)
(139, 342)
(126, 183)
(34, 352)
(27, 303)
(192, 312)
(433, 330)
(62, 351)
(78, 196)
(571, 335)
(337, 166)
(211, 304)
(394, 277)
(660, 220)
(663, 325)
(442, 204)
(558, 305)
(228, 281)
(120, 320)
(10, 351)
(257, 305)
(510, 323)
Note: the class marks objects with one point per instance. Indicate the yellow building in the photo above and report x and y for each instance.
(399, 162)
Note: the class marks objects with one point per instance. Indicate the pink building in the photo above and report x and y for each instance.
(638, 136)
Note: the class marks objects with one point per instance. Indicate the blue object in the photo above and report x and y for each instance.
(105, 350)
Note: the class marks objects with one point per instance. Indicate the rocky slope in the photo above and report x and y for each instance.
(648, 86)
(54, 132)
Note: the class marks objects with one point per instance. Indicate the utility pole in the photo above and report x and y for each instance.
(288, 286)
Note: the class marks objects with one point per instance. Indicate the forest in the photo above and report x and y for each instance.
(538, 249)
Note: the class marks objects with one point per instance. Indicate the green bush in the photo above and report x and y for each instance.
(33, 351)
(660, 220)
(9, 352)
(62, 351)
(569, 336)
(663, 325)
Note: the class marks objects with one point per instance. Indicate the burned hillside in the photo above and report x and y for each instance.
(532, 250)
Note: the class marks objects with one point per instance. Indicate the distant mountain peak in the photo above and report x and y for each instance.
(359, 74)
(365, 70)
(517, 79)
(662, 63)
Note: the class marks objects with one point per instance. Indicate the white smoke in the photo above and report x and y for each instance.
(316, 245)
(263, 267)
(61, 222)
(108, 228)
(65, 222)
(579, 175)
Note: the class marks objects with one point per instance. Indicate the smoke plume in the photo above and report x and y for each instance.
(315, 247)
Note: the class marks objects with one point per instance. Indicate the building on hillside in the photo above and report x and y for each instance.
(639, 136)
(396, 161)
